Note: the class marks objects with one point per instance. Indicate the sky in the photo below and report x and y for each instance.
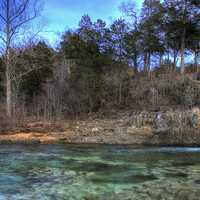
(60, 15)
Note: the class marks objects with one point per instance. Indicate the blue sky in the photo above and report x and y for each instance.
(61, 15)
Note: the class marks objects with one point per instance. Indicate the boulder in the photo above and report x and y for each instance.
(195, 119)
(160, 124)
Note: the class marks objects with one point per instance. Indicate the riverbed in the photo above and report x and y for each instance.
(98, 172)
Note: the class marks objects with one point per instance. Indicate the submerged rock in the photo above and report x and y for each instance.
(197, 182)
(177, 175)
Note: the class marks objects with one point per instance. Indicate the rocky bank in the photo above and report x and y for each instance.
(157, 128)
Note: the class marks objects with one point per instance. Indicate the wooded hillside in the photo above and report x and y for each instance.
(148, 60)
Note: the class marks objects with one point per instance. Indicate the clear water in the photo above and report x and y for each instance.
(90, 172)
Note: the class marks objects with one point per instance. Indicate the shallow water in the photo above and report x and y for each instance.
(98, 172)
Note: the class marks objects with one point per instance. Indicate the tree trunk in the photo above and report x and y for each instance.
(8, 64)
(135, 62)
(161, 59)
(149, 62)
(145, 62)
(8, 84)
(120, 93)
(183, 42)
(182, 66)
(196, 59)
(174, 61)
(8, 95)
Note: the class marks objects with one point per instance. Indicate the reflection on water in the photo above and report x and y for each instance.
(89, 172)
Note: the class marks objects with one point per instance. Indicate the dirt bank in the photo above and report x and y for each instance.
(165, 128)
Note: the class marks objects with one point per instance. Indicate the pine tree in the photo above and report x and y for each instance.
(179, 19)
(119, 29)
(150, 32)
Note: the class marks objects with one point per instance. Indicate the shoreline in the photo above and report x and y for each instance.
(65, 139)
(128, 145)
(172, 128)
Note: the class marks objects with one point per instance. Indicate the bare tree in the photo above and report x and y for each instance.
(15, 16)
(129, 8)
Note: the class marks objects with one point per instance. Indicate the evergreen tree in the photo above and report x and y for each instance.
(132, 48)
(179, 19)
(119, 29)
(150, 32)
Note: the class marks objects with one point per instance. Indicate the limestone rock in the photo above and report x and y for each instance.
(160, 124)
(95, 130)
(146, 130)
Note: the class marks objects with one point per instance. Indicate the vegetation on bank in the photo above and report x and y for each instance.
(138, 63)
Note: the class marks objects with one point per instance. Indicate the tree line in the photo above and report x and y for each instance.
(95, 65)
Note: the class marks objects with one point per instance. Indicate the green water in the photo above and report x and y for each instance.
(90, 172)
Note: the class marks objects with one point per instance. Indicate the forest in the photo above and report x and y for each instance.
(149, 59)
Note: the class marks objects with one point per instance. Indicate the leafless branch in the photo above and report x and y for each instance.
(20, 10)
(3, 18)
(2, 38)
(20, 76)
